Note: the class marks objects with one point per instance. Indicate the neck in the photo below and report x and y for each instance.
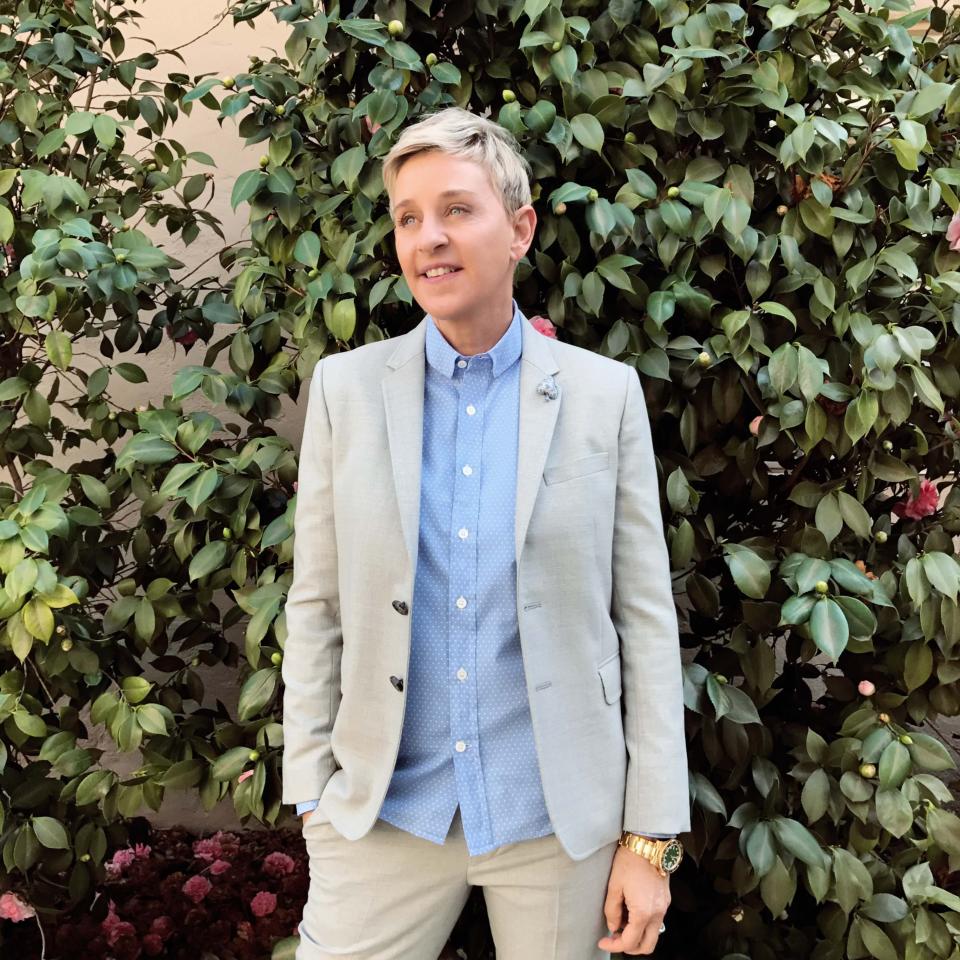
(478, 332)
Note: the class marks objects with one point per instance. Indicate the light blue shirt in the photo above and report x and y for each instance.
(467, 734)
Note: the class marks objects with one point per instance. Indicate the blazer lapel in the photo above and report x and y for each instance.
(403, 402)
(538, 419)
(402, 388)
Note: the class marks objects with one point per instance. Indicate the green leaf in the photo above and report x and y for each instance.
(828, 518)
(829, 628)
(588, 131)
(929, 753)
(798, 840)
(563, 64)
(229, 766)
(863, 624)
(211, 557)
(38, 619)
(246, 186)
(932, 97)
(59, 349)
(854, 515)
(918, 664)
(307, 250)
(257, 692)
(943, 573)
(894, 764)
(875, 940)
(50, 833)
(815, 796)
(135, 689)
(147, 449)
(343, 320)
(749, 571)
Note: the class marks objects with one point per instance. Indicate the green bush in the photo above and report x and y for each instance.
(749, 203)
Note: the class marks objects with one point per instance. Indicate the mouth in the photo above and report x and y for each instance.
(443, 276)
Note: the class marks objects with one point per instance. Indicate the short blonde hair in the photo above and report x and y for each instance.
(459, 133)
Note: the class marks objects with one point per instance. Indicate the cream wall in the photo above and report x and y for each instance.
(223, 50)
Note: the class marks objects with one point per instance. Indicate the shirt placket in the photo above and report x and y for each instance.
(464, 559)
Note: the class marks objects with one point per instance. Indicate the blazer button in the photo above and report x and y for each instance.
(401, 607)
(397, 682)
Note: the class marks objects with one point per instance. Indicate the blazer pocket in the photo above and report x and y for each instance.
(609, 672)
(577, 468)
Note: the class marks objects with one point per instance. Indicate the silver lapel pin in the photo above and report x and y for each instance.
(548, 388)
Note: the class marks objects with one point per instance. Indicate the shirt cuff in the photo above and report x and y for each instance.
(306, 805)
(655, 836)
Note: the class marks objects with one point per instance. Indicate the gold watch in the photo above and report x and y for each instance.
(665, 855)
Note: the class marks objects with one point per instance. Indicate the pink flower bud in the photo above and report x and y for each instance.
(755, 425)
(953, 233)
(545, 326)
(866, 688)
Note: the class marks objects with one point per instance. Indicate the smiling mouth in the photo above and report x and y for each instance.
(446, 273)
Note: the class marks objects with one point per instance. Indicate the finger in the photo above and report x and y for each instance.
(651, 933)
(613, 911)
(632, 936)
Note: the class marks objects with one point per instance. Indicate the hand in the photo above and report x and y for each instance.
(305, 816)
(637, 900)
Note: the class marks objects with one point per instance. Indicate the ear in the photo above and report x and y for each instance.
(524, 226)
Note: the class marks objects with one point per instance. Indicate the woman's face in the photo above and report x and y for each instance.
(446, 211)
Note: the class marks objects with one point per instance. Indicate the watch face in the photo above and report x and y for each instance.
(672, 854)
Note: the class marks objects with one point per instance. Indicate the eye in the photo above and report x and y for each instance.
(401, 222)
(464, 209)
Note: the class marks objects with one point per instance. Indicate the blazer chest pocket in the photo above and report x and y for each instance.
(577, 468)
(609, 672)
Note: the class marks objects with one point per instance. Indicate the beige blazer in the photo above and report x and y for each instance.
(597, 622)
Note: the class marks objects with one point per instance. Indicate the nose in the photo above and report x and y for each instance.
(432, 234)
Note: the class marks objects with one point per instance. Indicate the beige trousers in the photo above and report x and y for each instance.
(393, 896)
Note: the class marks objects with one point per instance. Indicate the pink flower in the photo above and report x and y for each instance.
(953, 233)
(278, 864)
(15, 909)
(866, 688)
(114, 928)
(186, 338)
(218, 867)
(196, 888)
(161, 927)
(374, 128)
(263, 904)
(755, 425)
(208, 849)
(122, 859)
(924, 505)
(152, 945)
(243, 776)
(545, 326)
(142, 851)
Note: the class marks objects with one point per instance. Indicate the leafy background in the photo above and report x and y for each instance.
(748, 202)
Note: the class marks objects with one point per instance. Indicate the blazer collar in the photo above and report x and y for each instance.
(402, 388)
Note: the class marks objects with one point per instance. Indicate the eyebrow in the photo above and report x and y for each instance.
(445, 194)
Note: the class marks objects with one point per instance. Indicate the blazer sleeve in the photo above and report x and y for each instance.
(314, 642)
(657, 795)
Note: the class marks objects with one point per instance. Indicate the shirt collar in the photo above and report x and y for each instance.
(443, 357)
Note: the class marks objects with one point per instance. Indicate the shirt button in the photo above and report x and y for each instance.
(461, 363)
(461, 746)
(461, 602)
(467, 470)
(463, 533)
(471, 409)
(461, 674)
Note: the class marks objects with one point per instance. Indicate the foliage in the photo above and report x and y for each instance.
(747, 202)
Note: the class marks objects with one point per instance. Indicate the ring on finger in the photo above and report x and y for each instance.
(663, 927)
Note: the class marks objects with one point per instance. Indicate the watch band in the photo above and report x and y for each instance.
(646, 847)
